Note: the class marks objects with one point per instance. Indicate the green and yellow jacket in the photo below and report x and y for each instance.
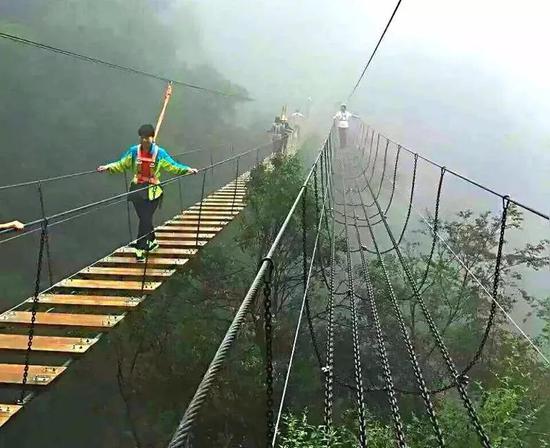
(163, 162)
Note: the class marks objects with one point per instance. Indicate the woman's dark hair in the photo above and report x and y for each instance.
(146, 130)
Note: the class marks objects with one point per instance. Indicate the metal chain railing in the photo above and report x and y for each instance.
(455, 376)
(268, 329)
(34, 308)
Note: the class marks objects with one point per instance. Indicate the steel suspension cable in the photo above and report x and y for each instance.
(83, 57)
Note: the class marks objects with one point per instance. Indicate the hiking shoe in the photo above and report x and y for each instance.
(140, 255)
(152, 245)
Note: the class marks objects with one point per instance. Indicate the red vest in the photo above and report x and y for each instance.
(145, 173)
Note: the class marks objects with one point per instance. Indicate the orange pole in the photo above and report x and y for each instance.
(167, 96)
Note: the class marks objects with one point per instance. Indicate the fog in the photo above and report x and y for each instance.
(463, 82)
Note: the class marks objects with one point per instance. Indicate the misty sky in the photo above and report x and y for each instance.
(465, 82)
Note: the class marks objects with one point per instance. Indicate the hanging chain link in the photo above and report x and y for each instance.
(409, 210)
(419, 377)
(455, 376)
(496, 283)
(34, 308)
(383, 176)
(328, 369)
(375, 157)
(268, 330)
(358, 371)
(47, 241)
(305, 272)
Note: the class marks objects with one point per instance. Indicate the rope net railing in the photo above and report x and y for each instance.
(366, 267)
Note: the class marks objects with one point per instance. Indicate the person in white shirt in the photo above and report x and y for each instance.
(341, 121)
(296, 119)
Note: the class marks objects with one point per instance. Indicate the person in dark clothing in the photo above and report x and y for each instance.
(276, 132)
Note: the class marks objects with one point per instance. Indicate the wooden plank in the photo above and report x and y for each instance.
(128, 272)
(194, 221)
(46, 343)
(88, 300)
(222, 202)
(63, 319)
(181, 243)
(159, 253)
(214, 199)
(210, 214)
(153, 261)
(221, 208)
(186, 230)
(7, 411)
(184, 236)
(37, 375)
(122, 285)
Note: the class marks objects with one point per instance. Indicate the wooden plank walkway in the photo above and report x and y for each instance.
(114, 285)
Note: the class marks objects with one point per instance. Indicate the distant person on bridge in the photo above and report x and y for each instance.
(146, 160)
(276, 131)
(297, 118)
(341, 121)
(15, 225)
(287, 132)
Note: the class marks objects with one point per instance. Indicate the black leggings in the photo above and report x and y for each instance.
(145, 209)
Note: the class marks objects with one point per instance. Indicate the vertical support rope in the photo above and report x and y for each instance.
(126, 187)
(47, 241)
(167, 96)
(212, 163)
(200, 208)
(34, 308)
(235, 189)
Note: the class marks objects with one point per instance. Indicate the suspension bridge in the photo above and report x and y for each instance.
(349, 202)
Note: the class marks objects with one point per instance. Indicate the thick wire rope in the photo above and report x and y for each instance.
(375, 50)
(82, 57)
(298, 325)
